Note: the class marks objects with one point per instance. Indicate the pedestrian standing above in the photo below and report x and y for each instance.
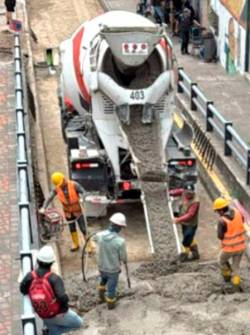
(112, 252)
(69, 193)
(185, 23)
(231, 232)
(10, 9)
(188, 217)
(190, 7)
(158, 6)
(48, 297)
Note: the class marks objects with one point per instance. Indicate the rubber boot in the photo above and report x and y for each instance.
(45, 331)
(236, 283)
(226, 273)
(75, 241)
(183, 257)
(110, 302)
(195, 251)
(101, 291)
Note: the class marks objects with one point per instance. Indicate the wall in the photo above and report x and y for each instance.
(232, 33)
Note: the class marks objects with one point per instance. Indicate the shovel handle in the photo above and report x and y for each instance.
(127, 274)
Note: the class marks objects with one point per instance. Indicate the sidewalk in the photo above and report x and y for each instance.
(9, 218)
(230, 93)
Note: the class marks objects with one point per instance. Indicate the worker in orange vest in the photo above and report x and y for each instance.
(231, 232)
(68, 192)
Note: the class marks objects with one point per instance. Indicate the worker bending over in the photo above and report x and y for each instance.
(112, 251)
(231, 232)
(68, 193)
(48, 296)
(188, 218)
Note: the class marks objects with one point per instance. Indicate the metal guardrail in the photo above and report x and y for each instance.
(215, 122)
(23, 179)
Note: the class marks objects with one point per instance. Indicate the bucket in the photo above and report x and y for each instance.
(16, 25)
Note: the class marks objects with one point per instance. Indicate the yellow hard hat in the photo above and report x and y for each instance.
(220, 203)
(57, 178)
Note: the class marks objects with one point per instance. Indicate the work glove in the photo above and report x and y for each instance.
(42, 210)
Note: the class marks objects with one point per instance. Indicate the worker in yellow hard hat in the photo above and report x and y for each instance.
(231, 232)
(68, 192)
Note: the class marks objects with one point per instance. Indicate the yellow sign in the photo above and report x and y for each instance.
(235, 7)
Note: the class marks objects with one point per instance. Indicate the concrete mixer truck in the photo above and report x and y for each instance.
(111, 65)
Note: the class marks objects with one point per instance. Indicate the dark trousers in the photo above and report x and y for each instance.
(81, 224)
(188, 233)
(184, 42)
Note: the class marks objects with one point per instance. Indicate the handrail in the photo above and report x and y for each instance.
(215, 122)
(23, 181)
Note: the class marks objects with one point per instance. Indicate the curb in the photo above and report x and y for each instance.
(227, 176)
(42, 169)
(105, 5)
(42, 166)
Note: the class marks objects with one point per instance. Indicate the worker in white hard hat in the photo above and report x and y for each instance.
(48, 297)
(112, 252)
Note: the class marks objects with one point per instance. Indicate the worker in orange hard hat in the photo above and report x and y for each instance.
(68, 192)
(231, 232)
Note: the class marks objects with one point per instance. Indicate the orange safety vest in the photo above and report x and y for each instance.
(234, 239)
(70, 203)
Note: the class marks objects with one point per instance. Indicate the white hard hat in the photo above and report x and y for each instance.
(46, 254)
(118, 219)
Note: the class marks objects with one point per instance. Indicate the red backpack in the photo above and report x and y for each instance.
(42, 296)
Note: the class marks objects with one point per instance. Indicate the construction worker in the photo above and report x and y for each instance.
(231, 232)
(188, 218)
(48, 296)
(68, 192)
(112, 251)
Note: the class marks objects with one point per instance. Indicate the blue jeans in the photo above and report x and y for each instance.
(63, 323)
(158, 12)
(188, 235)
(111, 280)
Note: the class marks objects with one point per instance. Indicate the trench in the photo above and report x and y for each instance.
(165, 298)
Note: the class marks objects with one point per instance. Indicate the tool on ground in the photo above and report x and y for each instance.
(127, 274)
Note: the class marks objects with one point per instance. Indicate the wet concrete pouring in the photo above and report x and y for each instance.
(166, 297)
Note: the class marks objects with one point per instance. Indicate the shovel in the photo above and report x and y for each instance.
(127, 275)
